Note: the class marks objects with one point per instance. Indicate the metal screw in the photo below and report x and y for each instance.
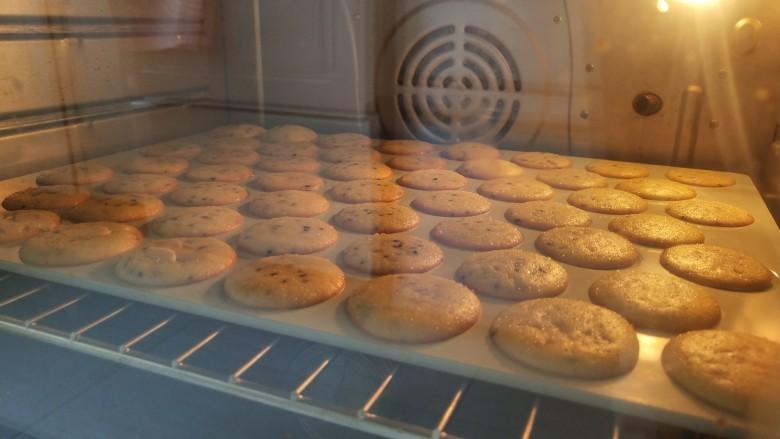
(714, 123)
(589, 67)
(584, 114)
(722, 73)
(557, 19)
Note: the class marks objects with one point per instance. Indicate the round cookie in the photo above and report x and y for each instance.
(285, 282)
(587, 247)
(416, 162)
(288, 164)
(658, 302)
(344, 154)
(545, 215)
(197, 221)
(413, 308)
(152, 184)
(710, 213)
(732, 370)
(78, 174)
(244, 130)
(289, 133)
(280, 181)
(470, 151)
(366, 191)
(79, 244)
(608, 168)
(397, 253)
(541, 160)
(451, 203)
(657, 189)
(717, 267)
(477, 233)
(567, 337)
(119, 208)
(175, 261)
(221, 173)
(405, 147)
(489, 169)
(289, 150)
(287, 203)
(654, 230)
(178, 148)
(700, 177)
(516, 189)
(280, 236)
(57, 197)
(208, 193)
(606, 200)
(571, 179)
(233, 143)
(376, 218)
(350, 140)
(155, 165)
(229, 157)
(19, 225)
(433, 180)
(358, 171)
(513, 275)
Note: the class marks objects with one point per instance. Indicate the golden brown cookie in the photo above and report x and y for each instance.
(172, 166)
(79, 244)
(571, 179)
(701, 177)
(344, 154)
(287, 164)
(279, 236)
(244, 130)
(433, 180)
(289, 150)
(376, 218)
(470, 151)
(208, 193)
(405, 147)
(280, 181)
(182, 149)
(717, 267)
(657, 189)
(19, 225)
(118, 208)
(221, 173)
(152, 184)
(608, 168)
(289, 133)
(77, 174)
(451, 203)
(366, 191)
(287, 203)
(541, 160)
(587, 247)
(710, 213)
(197, 221)
(489, 169)
(396, 253)
(516, 189)
(57, 197)
(344, 140)
(656, 230)
(349, 171)
(416, 162)
(217, 156)
(544, 215)
(606, 200)
(233, 143)
(477, 233)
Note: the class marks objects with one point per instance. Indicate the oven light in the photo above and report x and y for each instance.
(663, 6)
(698, 2)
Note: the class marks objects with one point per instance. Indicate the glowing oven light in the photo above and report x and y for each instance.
(663, 5)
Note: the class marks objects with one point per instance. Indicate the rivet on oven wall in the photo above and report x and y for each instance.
(557, 19)
(746, 35)
(589, 67)
(723, 74)
(714, 123)
(584, 114)
(647, 103)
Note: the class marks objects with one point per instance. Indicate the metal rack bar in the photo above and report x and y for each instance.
(529, 423)
(75, 334)
(178, 361)
(125, 347)
(22, 296)
(445, 417)
(365, 411)
(235, 377)
(296, 394)
(33, 320)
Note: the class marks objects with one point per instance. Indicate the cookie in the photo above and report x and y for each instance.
(658, 302)
(358, 171)
(654, 230)
(541, 160)
(416, 162)
(405, 147)
(155, 165)
(477, 233)
(233, 143)
(197, 221)
(57, 197)
(413, 308)
(608, 168)
(701, 177)
(571, 179)
(513, 275)
(376, 218)
(208, 193)
(182, 149)
(516, 189)
(451, 203)
(175, 261)
(287, 164)
(732, 370)
(470, 151)
(79, 244)
(489, 169)
(285, 282)
(366, 191)
(221, 173)
(433, 180)
(397, 253)
(279, 236)
(289, 150)
(544, 215)
(567, 337)
(229, 157)
(606, 200)
(657, 189)
(78, 174)
(710, 213)
(279, 181)
(587, 247)
(244, 130)
(119, 208)
(344, 154)
(717, 267)
(19, 225)
(289, 133)
(349, 140)
(287, 203)
(152, 184)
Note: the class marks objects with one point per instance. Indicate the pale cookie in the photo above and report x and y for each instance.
(289, 133)
(233, 143)
(152, 184)
(56, 197)
(376, 218)
(717, 267)
(279, 236)
(19, 225)
(516, 189)
(78, 174)
(416, 162)
(657, 189)
(541, 160)
(451, 203)
(79, 244)
(349, 154)
(351, 140)
(358, 171)
(208, 193)
(544, 215)
(608, 168)
(567, 337)
(658, 302)
(244, 130)
(288, 164)
(433, 180)
(287, 203)
(221, 173)
(513, 275)
(175, 261)
(155, 165)
(289, 150)
(405, 147)
(413, 308)
(470, 151)
(386, 254)
(229, 157)
(732, 370)
(477, 233)
(119, 208)
(489, 169)
(280, 181)
(606, 200)
(710, 213)
(197, 221)
(366, 191)
(654, 230)
(177, 148)
(700, 177)
(587, 247)
(285, 282)
(571, 179)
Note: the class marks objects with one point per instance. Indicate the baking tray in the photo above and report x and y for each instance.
(646, 391)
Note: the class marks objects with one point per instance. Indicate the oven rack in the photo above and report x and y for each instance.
(357, 391)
